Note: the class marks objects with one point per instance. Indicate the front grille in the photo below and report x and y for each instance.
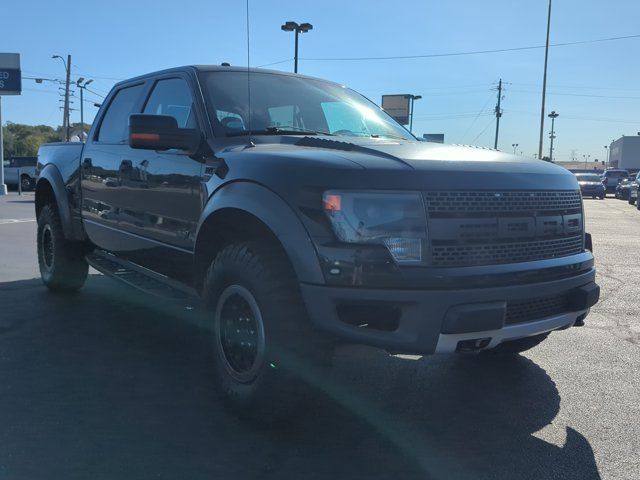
(482, 202)
(473, 228)
(497, 253)
(536, 308)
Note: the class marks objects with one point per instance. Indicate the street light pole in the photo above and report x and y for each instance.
(553, 115)
(514, 145)
(606, 156)
(298, 29)
(82, 86)
(3, 187)
(413, 99)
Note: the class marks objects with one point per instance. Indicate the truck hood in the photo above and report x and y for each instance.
(419, 164)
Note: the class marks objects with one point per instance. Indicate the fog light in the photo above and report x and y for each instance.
(405, 249)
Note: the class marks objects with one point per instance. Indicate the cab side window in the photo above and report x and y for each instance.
(115, 123)
(172, 97)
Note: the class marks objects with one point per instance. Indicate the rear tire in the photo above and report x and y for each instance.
(520, 345)
(264, 345)
(62, 263)
(26, 183)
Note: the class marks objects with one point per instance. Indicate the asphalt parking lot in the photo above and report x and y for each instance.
(110, 384)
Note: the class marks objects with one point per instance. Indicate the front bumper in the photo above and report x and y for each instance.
(437, 320)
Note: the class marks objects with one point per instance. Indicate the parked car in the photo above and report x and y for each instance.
(633, 191)
(591, 185)
(21, 170)
(623, 189)
(306, 217)
(611, 178)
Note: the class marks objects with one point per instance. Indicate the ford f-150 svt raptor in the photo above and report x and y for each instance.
(302, 215)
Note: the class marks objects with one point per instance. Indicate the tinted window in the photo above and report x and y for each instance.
(172, 97)
(25, 162)
(115, 124)
(588, 178)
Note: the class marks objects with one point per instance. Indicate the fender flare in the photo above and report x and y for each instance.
(278, 216)
(52, 176)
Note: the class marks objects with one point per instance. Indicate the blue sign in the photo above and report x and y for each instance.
(10, 75)
(10, 81)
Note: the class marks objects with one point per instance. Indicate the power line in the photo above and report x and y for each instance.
(475, 119)
(275, 63)
(95, 93)
(482, 132)
(580, 95)
(473, 52)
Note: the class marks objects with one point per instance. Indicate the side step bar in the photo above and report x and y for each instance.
(141, 278)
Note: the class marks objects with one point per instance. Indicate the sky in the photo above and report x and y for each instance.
(594, 87)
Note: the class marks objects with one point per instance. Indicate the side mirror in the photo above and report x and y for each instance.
(161, 132)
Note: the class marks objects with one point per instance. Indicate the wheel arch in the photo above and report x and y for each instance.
(245, 211)
(50, 188)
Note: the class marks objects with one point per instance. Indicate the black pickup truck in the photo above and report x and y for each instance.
(303, 215)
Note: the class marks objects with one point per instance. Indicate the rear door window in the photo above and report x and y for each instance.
(115, 123)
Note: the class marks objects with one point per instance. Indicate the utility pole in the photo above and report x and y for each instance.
(66, 98)
(65, 115)
(498, 114)
(606, 156)
(544, 82)
(553, 115)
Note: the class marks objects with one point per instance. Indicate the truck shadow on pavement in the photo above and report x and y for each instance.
(108, 383)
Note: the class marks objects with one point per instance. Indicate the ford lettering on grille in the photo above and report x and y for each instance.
(484, 228)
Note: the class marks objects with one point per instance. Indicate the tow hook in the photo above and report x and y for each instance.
(580, 320)
(473, 345)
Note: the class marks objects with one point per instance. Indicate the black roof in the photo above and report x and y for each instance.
(220, 68)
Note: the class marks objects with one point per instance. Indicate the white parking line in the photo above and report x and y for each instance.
(4, 221)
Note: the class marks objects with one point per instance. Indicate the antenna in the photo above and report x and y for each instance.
(251, 144)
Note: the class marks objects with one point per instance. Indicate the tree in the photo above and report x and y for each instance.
(24, 140)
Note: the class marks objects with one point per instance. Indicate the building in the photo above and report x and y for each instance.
(625, 153)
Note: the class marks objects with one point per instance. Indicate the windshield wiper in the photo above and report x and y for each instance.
(278, 131)
(387, 135)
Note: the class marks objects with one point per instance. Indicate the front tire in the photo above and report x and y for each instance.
(62, 263)
(263, 342)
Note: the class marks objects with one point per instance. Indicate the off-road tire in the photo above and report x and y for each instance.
(294, 355)
(63, 266)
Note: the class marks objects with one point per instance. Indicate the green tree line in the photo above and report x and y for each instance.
(23, 140)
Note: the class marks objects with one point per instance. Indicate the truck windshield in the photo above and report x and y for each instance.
(285, 104)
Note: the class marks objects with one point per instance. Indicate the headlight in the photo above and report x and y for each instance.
(396, 220)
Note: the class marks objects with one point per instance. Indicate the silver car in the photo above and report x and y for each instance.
(22, 170)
